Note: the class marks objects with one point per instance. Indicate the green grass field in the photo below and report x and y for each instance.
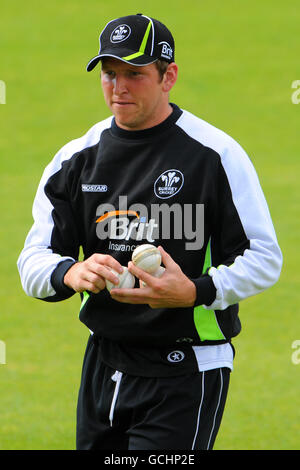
(237, 62)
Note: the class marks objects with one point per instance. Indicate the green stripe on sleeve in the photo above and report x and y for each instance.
(206, 324)
(205, 320)
(85, 299)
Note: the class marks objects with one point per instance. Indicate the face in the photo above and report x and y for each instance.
(135, 94)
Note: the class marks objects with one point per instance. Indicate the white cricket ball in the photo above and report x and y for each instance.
(126, 280)
(158, 273)
(147, 257)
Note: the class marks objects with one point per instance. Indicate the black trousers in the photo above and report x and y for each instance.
(116, 411)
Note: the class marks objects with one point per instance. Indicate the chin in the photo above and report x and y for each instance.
(127, 125)
(130, 124)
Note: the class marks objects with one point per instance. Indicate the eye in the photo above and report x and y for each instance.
(109, 73)
(134, 73)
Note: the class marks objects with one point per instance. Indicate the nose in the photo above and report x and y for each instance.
(120, 85)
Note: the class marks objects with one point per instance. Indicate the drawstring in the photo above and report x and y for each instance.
(116, 378)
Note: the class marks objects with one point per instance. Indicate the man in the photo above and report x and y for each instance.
(157, 365)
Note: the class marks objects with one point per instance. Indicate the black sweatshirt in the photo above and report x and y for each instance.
(184, 185)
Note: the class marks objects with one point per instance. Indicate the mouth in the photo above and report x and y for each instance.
(122, 103)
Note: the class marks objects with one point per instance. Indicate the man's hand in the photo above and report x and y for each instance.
(172, 289)
(91, 274)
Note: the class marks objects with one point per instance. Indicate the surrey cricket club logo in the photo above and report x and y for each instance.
(168, 184)
(120, 33)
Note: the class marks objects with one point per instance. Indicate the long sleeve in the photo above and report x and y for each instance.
(52, 245)
(250, 259)
(244, 253)
(53, 238)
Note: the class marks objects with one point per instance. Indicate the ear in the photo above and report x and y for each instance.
(170, 77)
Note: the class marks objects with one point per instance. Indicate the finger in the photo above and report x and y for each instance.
(166, 258)
(93, 282)
(107, 260)
(141, 274)
(91, 287)
(134, 292)
(129, 300)
(105, 272)
(135, 295)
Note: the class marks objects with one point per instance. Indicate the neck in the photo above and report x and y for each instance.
(149, 132)
(158, 117)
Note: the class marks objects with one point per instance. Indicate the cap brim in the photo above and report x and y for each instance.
(92, 63)
(129, 57)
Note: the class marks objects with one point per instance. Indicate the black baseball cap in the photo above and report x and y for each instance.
(135, 39)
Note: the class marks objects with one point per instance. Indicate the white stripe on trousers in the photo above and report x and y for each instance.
(200, 407)
(116, 378)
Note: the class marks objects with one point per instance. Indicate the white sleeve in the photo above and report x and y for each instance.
(37, 261)
(259, 267)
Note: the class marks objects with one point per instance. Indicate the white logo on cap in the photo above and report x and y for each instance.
(120, 33)
(166, 50)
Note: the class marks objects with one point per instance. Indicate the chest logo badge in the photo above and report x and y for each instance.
(168, 184)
